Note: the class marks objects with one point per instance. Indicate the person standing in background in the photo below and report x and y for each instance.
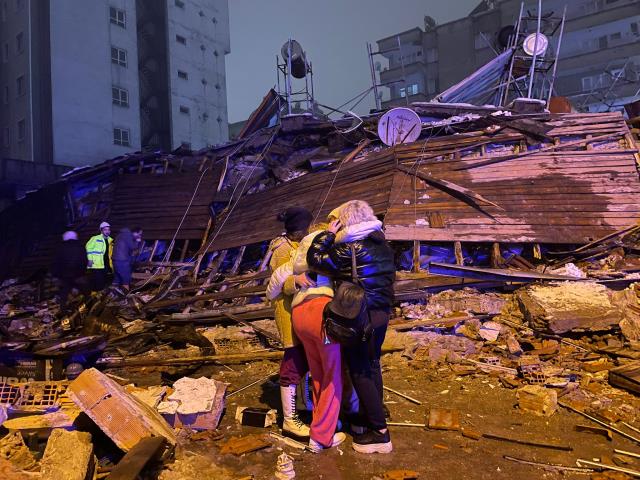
(99, 254)
(69, 267)
(125, 245)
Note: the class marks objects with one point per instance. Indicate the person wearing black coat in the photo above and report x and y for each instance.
(330, 254)
(69, 267)
(126, 244)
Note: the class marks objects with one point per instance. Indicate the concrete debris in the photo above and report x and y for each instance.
(69, 455)
(538, 400)
(111, 407)
(14, 450)
(570, 306)
(444, 419)
(195, 403)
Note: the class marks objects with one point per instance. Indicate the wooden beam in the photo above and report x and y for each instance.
(576, 143)
(448, 186)
(416, 256)
(457, 248)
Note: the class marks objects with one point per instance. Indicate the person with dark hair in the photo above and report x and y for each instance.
(358, 230)
(294, 364)
(69, 267)
(127, 242)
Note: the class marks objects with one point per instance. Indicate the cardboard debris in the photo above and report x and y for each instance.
(69, 455)
(444, 419)
(537, 400)
(120, 415)
(241, 445)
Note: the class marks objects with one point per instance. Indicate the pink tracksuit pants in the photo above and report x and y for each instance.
(325, 367)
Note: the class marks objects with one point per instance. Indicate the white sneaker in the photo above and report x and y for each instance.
(337, 439)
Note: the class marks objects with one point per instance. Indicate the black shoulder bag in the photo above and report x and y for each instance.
(346, 317)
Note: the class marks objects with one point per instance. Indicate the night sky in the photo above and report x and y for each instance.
(333, 33)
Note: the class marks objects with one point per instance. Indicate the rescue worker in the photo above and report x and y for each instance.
(99, 254)
(69, 267)
(127, 242)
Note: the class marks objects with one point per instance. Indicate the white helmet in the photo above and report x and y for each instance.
(69, 235)
(104, 224)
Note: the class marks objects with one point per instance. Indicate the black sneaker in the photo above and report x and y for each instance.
(373, 441)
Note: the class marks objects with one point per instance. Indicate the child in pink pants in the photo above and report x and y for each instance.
(325, 366)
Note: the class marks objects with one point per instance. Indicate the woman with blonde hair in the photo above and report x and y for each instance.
(358, 230)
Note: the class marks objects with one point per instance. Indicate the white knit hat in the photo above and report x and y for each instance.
(104, 224)
(69, 235)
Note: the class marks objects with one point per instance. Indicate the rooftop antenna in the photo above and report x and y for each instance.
(294, 64)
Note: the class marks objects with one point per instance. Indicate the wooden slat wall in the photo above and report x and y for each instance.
(254, 218)
(571, 196)
(157, 203)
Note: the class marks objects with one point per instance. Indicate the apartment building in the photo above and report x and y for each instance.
(82, 81)
(598, 66)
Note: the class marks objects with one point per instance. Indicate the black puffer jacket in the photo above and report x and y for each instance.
(374, 262)
(70, 261)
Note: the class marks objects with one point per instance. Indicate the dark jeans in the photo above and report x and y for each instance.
(293, 366)
(122, 272)
(363, 361)
(99, 279)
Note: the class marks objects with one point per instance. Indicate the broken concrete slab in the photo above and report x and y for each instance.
(537, 400)
(137, 458)
(13, 449)
(120, 415)
(195, 403)
(570, 306)
(69, 455)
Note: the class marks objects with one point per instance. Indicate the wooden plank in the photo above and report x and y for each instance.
(132, 464)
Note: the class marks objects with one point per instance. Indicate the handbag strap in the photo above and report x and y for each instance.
(354, 268)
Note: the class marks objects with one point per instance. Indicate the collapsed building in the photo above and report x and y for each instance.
(513, 228)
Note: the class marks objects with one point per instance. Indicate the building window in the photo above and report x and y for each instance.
(120, 96)
(403, 92)
(118, 17)
(412, 89)
(6, 137)
(20, 43)
(634, 28)
(181, 39)
(5, 53)
(183, 75)
(179, 4)
(119, 56)
(20, 86)
(5, 95)
(22, 130)
(121, 137)
(615, 36)
(184, 109)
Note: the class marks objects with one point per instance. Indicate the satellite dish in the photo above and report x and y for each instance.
(429, 23)
(531, 48)
(298, 58)
(399, 125)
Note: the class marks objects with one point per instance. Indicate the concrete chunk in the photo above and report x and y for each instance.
(68, 456)
(538, 400)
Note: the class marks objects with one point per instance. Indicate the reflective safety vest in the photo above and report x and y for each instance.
(96, 247)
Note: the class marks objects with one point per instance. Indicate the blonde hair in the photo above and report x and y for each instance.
(356, 211)
(319, 226)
